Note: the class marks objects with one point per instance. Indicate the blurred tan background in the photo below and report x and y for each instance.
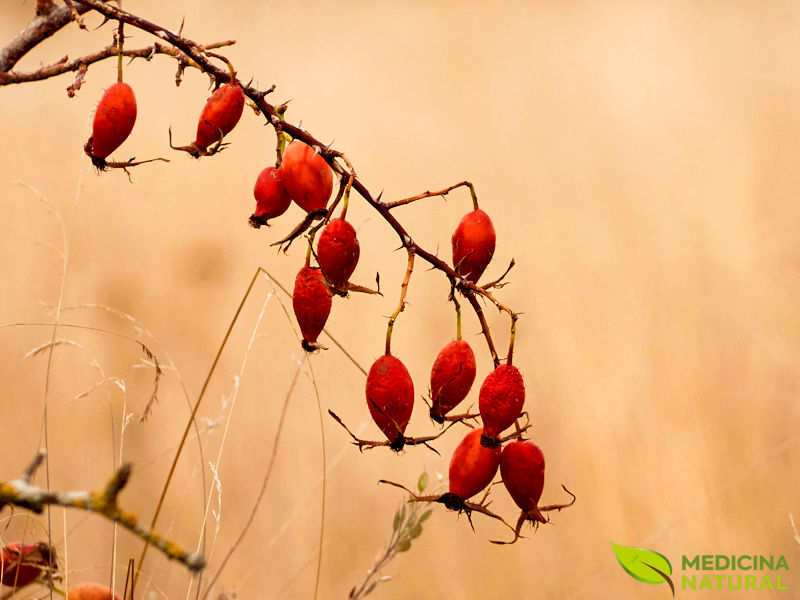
(639, 161)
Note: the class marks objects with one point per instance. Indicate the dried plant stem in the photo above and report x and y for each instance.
(324, 477)
(191, 420)
(264, 482)
(225, 431)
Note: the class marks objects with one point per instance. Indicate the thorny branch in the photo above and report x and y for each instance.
(22, 493)
(56, 19)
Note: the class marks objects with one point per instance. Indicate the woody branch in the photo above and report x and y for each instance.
(22, 493)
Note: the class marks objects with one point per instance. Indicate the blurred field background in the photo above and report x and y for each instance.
(639, 161)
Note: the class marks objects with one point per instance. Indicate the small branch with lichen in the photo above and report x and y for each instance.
(22, 493)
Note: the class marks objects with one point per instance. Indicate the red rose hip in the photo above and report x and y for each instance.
(522, 469)
(473, 245)
(271, 197)
(472, 467)
(21, 564)
(312, 305)
(338, 252)
(452, 375)
(500, 401)
(91, 591)
(220, 115)
(113, 121)
(390, 398)
(306, 176)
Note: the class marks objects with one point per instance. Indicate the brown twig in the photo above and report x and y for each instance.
(442, 193)
(38, 30)
(80, 65)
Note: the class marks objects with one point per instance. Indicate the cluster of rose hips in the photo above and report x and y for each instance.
(304, 176)
(23, 564)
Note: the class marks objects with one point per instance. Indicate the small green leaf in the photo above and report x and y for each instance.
(416, 531)
(422, 483)
(404, 545)
(425, 515)
(641, 564)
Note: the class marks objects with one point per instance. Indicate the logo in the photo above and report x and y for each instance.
(706, 572)
(644, 565)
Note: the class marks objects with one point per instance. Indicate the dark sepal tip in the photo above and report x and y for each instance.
(488, 441)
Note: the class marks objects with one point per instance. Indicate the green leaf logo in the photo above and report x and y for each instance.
(644, 565)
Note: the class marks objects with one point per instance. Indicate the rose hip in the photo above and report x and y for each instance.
(113, 122)
(91, 591)
(452, 375)
(312, 305)
(473, 245)
(307, 177)
(390, 398)
(522, 469)
(271, 197)
(220, 115)
(338, 252)
(472, 468)
(500, 401)
(21, 564)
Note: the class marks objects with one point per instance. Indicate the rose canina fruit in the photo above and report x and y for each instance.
(473, 245)
(472, 466)
(220, 114)
(113, 121)
(338, 252)
(312, 304)
(390, 398)
(452, 375)
(522, 469)
(91, 591)
(271, 197)
(306, 176)
(22, 564)
(500, 401)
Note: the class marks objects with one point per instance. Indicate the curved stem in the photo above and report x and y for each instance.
(401, 306)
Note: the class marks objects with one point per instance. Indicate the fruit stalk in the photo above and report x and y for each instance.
(401, 306)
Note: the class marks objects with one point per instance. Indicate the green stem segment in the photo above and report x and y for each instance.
(473, 194)
(511, 339)
(458, 317)
(282, 138)
(345, 202)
